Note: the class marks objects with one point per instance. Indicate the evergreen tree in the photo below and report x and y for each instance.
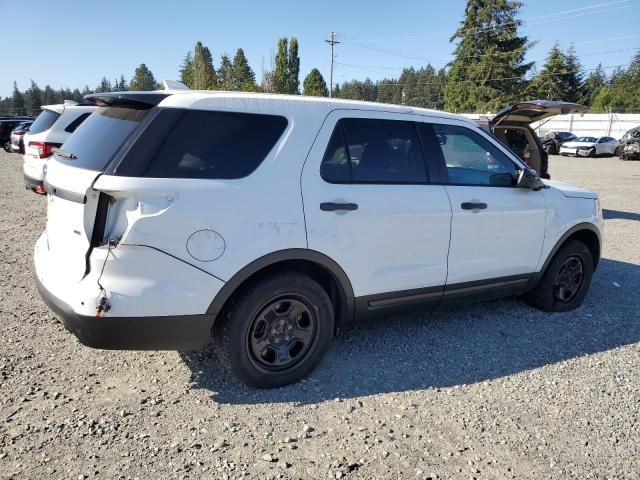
(225, 73)
(48, 96)
(33, 99)
(204, 75)
(17, 101)
(389, 91)
(357, 90)
(122, 87)
(186, 70)
(76, 96)
(558, 79)
(293, 68)
(488, 69)
(105, 86)
(623, 92)
(243, 77)
(314, 84)
(280, 76)
(143, 80)
(592, 85)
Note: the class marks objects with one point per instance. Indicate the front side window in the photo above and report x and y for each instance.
(363, 150)
(471, 159)
(216, 145)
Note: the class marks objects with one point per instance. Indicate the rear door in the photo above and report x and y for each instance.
(497, 229)
(369, 206)
(72, 203)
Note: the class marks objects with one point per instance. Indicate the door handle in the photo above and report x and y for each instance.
(473, 206)
(332, 207)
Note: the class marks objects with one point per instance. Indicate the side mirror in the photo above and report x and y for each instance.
(528, 178)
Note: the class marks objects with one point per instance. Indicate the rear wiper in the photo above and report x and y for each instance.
(63, 154)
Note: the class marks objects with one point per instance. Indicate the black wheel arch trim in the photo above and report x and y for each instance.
(573, 230)
(302, 254)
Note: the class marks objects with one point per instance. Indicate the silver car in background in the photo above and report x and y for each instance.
(589, 147)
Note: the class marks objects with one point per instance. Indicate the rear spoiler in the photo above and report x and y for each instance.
(126, 99)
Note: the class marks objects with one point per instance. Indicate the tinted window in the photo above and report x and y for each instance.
(44, 121)
(100, 136)
(376, 151)
(471, 159)
(220, 145)
(76, 123)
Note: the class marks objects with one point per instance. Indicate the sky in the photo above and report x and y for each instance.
(68, 43)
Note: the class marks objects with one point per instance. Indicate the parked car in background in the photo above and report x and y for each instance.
(552, 141)
(269, 221)
(7, 125)
(50, 130)
(512, 126)
(17, 137)
(589, 147)
(629, 146)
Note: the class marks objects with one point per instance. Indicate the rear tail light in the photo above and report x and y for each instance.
(40, 189)
(45, 149)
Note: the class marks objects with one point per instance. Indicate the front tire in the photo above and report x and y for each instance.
(276, 330)
(566, 280)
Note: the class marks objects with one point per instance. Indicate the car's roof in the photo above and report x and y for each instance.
(259, 102)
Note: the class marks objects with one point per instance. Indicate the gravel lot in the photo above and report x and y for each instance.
(496, 390)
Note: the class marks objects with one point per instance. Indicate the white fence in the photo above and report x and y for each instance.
(588, 124)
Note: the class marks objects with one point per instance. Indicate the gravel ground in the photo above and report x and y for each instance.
(496, 390)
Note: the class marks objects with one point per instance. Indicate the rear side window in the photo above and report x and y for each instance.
(216, 145)
(100, 136)
(76, 122)
(374, 151)
(44, 121)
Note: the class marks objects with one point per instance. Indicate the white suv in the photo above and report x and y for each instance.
(270, 221)
(50, 129)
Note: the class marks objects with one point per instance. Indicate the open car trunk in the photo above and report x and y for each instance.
(532, 111)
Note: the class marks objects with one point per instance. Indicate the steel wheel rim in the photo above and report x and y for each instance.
(281, 333)
(568, 280)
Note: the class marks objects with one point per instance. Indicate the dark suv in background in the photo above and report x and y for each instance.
(7, 125)
(551, 141)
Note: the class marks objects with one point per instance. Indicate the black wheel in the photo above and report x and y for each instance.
(592, 153)
(616, 153)
(566, 281)
(551, 149)
(7, 147)
(276, 330)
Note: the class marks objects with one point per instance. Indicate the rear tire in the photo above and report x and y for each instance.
(7, 147)
(276, 330)
(566, 281)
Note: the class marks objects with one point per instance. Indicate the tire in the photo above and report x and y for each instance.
(616, 152)
(548, 295)
(592, 153)
(287, 316)
(7, 147)
(551, 150)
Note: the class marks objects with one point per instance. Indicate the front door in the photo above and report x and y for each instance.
(369, 207)
(497, 229)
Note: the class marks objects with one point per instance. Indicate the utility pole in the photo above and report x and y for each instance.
(331, 40)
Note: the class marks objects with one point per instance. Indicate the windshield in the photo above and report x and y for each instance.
(100, 136)
(587, 139)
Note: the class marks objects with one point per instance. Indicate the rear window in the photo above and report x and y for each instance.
(100, 136)
(44, 121)
(216, 145)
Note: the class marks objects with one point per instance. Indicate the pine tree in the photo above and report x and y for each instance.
(488, 69)
(204, 75)
(357, 90)
(186, 70)
(33, 99)
(225, 73)
(314, 84)
(574, 78)
(122, 87)
(551, 82)
(143, 80)
(623, 92)
(592, 85)
(17, 101)
(48, 96)
(243, 77)
(280, 77)
(105, 86)
(293, 68)
(76, 96)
